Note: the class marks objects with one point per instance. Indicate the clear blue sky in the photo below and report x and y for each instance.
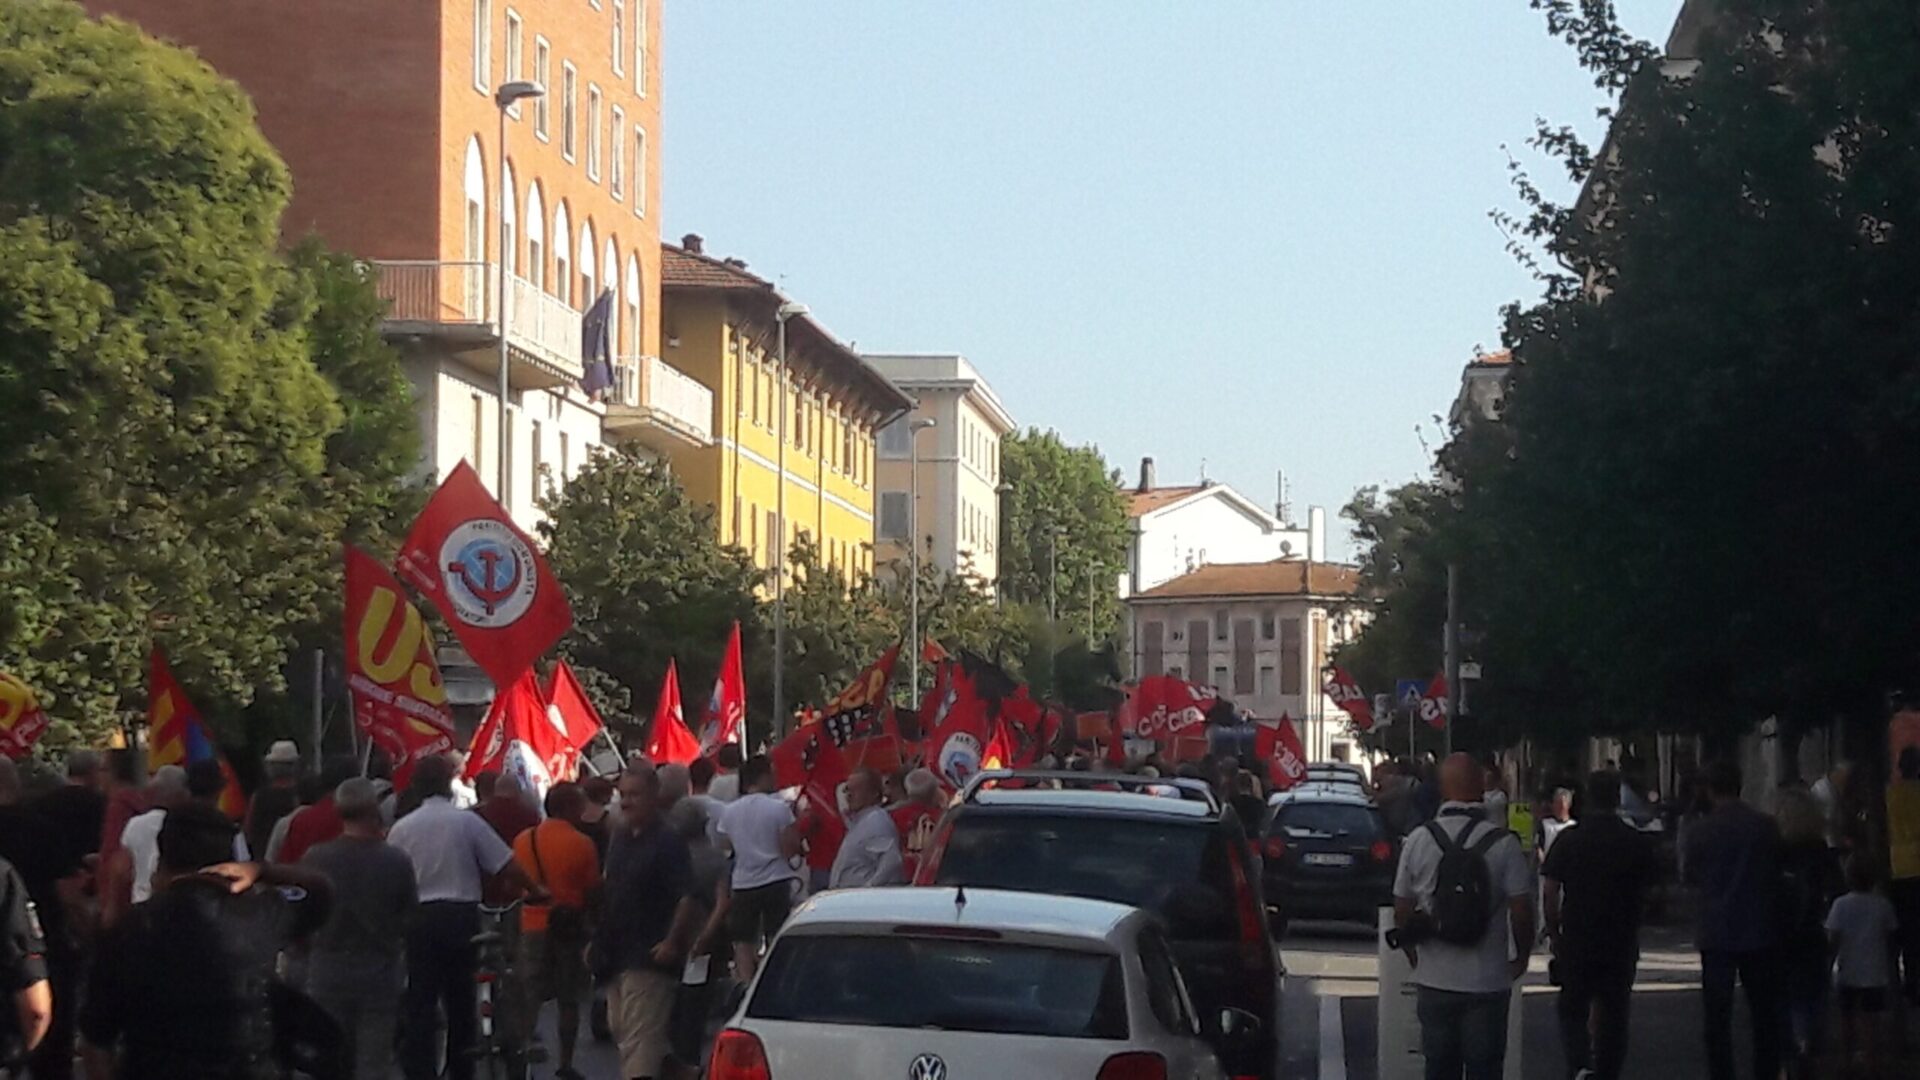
(1252, 232)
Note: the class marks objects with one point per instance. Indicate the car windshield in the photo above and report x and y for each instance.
(1180, 870)
(943, 984)
(1327, 821)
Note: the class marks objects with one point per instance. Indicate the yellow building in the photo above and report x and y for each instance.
(719, 324)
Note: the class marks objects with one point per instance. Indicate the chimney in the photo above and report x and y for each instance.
(1316, 534)
(694, 244)
(736, 263)
(1146, 475)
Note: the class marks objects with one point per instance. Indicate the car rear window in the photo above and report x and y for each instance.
(943, 984)
(1179, 870)
(1327, 820)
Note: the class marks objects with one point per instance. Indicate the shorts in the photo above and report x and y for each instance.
(759, 912)
(1870, 1000)
(554, 966)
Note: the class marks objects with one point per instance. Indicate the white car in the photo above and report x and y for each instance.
(968, 984)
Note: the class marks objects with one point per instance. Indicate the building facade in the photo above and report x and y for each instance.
(386, 117)
(958, 516)
(720, 325)
(1260, 634)
(1179, 529)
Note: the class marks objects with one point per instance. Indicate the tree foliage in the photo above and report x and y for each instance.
(179, 464)
(1063, 512)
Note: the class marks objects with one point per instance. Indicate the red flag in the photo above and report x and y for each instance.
(1116, 742)
(726, 718)
(932, 653)
(176, 735)
(1286, 758)
(469, 560)
(1165, 705)
(668, 740)
(1026, 730)
(859, 719)
(570, 708)
(520, 736)
(808, 759)
(21, 719)
(399, 701)
(1433, 703)
(957, 727)
(1346, 694)
(999, 753)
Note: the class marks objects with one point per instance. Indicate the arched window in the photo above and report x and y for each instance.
(474, 186)
(536, 218)
(610, 279)
(589, 287)
(633, 305)
(509, 218)
(562, 254)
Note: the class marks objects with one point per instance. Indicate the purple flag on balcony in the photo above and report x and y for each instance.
(596, 346)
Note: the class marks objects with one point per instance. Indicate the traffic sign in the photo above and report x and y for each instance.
(1408, 692)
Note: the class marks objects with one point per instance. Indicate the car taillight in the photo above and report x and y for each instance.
(1136, 1065)
(738, 1055)
(1276, 846)
(1246, 902)
(1381, 851)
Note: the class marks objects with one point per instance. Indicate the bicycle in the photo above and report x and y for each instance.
(496, 1057)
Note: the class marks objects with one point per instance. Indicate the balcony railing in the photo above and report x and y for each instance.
(433, 298)
(659, 404)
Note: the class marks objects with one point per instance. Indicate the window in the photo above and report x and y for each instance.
(483, 45)
(1268, 622)
(510, 211)
(619, 37)
(800, 422)
(637, 331)
(1220, 624)
(534, 474)
(589, 290)
(773, 541)
(542, 74)
(640, 172)
(562, 255)
(896, 438)
(536, 237)
(477, 459)
(1269, 680)
(1220, 677)
(593, 133)
(1169, 1005)
(753, 533)
(755, 377)
(506, 452)
(1290, 660)
(640, 47)
(474, 186)
(617, 166)
(514, 69)
(565, 461)
(569, 91)
(893, 515)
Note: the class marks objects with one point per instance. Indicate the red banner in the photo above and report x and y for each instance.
(726, 719)
(1433, 703)
(1029, 728)
(21, 720)
(1346, 694)
(957, 727)
(668, 740)
(808, 759)
(1164, 706)
(176, 735)
(572, 711)
(1280, 746)
(398, 699)
(859, 719)
(520, 736)
(470, 561)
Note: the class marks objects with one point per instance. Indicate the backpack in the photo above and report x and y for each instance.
(1463, 900)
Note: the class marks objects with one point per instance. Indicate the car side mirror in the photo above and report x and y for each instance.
(1236, 1026)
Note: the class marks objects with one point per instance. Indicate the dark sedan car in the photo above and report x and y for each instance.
(1328, 855)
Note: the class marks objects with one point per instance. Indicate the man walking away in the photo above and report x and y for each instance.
(454, 855)
(1558, 820)
(1862, 927)
(707, 887)
(1463, 907)
(916, 818)
(727, 783)
(758, 828)
(650, 922)
(1594, 886)
(1733, 860)
(1903, 859)
(561, 858)
(870, 854)
(277, 799)
(181, 987)
(353, 969)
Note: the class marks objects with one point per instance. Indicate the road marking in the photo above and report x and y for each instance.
(1333, 1041)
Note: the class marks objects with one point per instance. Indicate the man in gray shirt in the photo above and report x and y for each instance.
(354, 970)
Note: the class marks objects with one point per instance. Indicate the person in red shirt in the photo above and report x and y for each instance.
(508, 807)
(320, 822)
(917, 817)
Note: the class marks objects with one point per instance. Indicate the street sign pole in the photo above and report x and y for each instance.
(1452, 645)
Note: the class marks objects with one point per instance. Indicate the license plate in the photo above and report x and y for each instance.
(1321, 858)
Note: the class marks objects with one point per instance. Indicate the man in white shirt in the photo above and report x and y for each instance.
(172, 787)
(454, 854)
(725, 785)
(758, 828)
(870, 853)
(1464, 988)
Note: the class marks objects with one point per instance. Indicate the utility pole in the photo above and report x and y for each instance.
(1452, 646)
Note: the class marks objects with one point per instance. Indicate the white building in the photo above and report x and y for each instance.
(959, 511)
(1179, 529)
(1260, 634)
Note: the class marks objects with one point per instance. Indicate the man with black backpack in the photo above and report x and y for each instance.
(1463, 912)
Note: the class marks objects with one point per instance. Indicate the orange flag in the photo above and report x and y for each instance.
(668, 740)
(176, 735)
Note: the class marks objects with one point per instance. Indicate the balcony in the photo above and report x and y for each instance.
(453, 305)
(658, 405)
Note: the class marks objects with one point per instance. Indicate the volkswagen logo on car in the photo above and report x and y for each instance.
(927, 1067)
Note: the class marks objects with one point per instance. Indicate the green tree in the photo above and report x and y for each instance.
(167, 450)
(1063, 530)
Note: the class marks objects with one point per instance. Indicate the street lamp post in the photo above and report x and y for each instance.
(504, 98)
(780, 316)
(914, 428)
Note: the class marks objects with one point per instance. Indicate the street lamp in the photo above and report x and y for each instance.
(785, 311)
(1001, 525)
(505, 97)
(914, 428)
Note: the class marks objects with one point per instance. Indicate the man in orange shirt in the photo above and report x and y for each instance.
(558, 854)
